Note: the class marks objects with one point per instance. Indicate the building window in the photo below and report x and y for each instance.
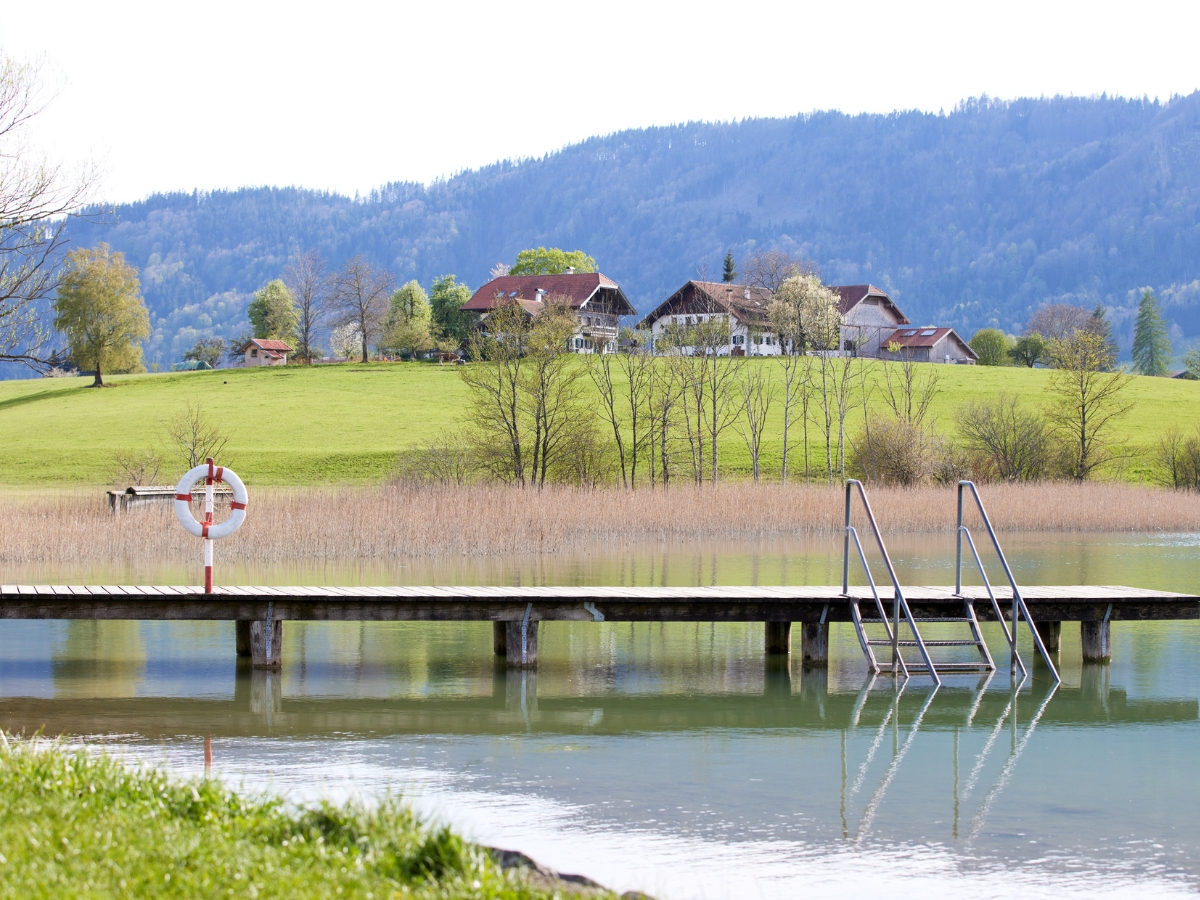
(578, 343)
(254, 352)
(739, 339)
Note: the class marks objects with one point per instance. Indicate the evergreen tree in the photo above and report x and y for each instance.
(1151, 346)
(730, 270)
(1101, 326)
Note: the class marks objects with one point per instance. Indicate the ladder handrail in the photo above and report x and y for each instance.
(899, 603)
(1018, 608)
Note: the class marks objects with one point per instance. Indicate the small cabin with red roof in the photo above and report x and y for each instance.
(597, 300)
(262, 352)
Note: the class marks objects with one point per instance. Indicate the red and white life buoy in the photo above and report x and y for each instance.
(212, 474)
(183, 499)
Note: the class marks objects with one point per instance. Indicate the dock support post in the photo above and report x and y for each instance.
(242, 631)
(1095, 637)
(778, 638)
(521, 641)
(500, 638)
(260, 658)
(1051, 635)
(814, 645)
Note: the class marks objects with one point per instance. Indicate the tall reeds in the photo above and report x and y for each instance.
(411, 521)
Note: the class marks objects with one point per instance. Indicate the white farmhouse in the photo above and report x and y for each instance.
(265, 353)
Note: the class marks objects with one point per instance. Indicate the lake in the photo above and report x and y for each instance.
(675, 758)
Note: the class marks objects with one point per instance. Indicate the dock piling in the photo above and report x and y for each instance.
(265, 647)
(814, 645)
(777, 638)
(1051, 634)
(242, 632)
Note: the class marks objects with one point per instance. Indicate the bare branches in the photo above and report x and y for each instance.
(757, 395)
(909, 390)
(305, 277)
(360, 296)
(771, 268)
(192, 437)
(35, 194)
(1089, 401)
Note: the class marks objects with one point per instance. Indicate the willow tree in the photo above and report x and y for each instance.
(101, 312)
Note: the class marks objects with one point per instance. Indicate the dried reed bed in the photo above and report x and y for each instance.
(401, 521)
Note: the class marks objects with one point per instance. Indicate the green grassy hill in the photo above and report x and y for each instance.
(347, 423)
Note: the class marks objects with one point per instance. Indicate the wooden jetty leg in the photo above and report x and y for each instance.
(1051, 634)
(814, 645)
(521, 653)
(1095, 636)
(778, 638)
(258, 645)
(500, 638)
(242, 630)
(266, 695)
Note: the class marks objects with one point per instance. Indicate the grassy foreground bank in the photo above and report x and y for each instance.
(304, 425)
(77, 825)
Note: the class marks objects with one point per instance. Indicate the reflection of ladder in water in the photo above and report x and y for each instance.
(891, 721)
(1018, 602)
(901, 614)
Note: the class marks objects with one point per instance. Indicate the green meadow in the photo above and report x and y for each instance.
(348, 423)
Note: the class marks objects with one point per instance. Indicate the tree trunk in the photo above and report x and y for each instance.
(99, 380)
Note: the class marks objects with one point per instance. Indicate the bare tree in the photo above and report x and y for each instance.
(35, 195)
(360, 296)
(663, 396)
(909, 389)
(1010, 443)
(1088, 401)
(192, 437)
(305, 277)
(550, 388)
(771, 268)
(1059, 321)
(624, 403)
(136, 467)
(494, 380)
(757, 395)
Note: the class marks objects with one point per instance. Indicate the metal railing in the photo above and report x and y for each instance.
(1018, 602)
(899, 604)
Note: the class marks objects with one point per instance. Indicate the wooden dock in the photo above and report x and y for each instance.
(516, 611)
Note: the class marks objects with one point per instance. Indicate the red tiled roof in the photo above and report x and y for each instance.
(923, 337)
(577, 289)
(729, 298)
(266, 345)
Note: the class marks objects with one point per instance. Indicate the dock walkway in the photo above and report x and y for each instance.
(516, 611)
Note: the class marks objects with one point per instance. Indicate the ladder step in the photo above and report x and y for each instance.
(950, 667)
(918, 621)
(927, 643)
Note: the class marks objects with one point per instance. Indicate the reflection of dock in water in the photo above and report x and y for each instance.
(259, 709)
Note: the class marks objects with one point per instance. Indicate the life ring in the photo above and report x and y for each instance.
(183, 499)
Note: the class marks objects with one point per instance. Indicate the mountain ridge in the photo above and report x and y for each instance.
(969, 218)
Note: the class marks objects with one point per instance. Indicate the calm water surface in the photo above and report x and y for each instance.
(673, 758)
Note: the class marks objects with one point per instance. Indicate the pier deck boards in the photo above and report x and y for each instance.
(629, 604)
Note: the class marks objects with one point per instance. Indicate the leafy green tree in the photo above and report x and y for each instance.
(406, 326)
(1151, 346)
(1029, 350)
(551, 261)
(1191, 362)
(992, 347)
(1089, 401)
(729, 270)
(99, 308)
(450, 324)
(209, 350)
(273, 314)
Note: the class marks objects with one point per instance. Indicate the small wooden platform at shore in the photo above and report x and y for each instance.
(517, 610)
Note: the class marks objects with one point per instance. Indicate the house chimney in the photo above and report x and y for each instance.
(541, 293)
(747, 294)
(570, 270)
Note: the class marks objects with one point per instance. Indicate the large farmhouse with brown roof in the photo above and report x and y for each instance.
(871, 322)
(698, 302)
(598, 302)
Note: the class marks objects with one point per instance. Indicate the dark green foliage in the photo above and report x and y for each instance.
(992, 347)
(729, 270)
(209, 351)
(1151, 346)
(1029, 350)
(450, 323)
(980, 215)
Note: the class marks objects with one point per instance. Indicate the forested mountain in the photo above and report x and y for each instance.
(970, 218)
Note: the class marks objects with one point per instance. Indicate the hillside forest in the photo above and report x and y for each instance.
(973, 218)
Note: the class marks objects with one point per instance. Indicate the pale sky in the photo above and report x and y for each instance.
(347, 96)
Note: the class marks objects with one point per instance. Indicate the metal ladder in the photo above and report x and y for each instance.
(1018, 602)
(900, 609)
